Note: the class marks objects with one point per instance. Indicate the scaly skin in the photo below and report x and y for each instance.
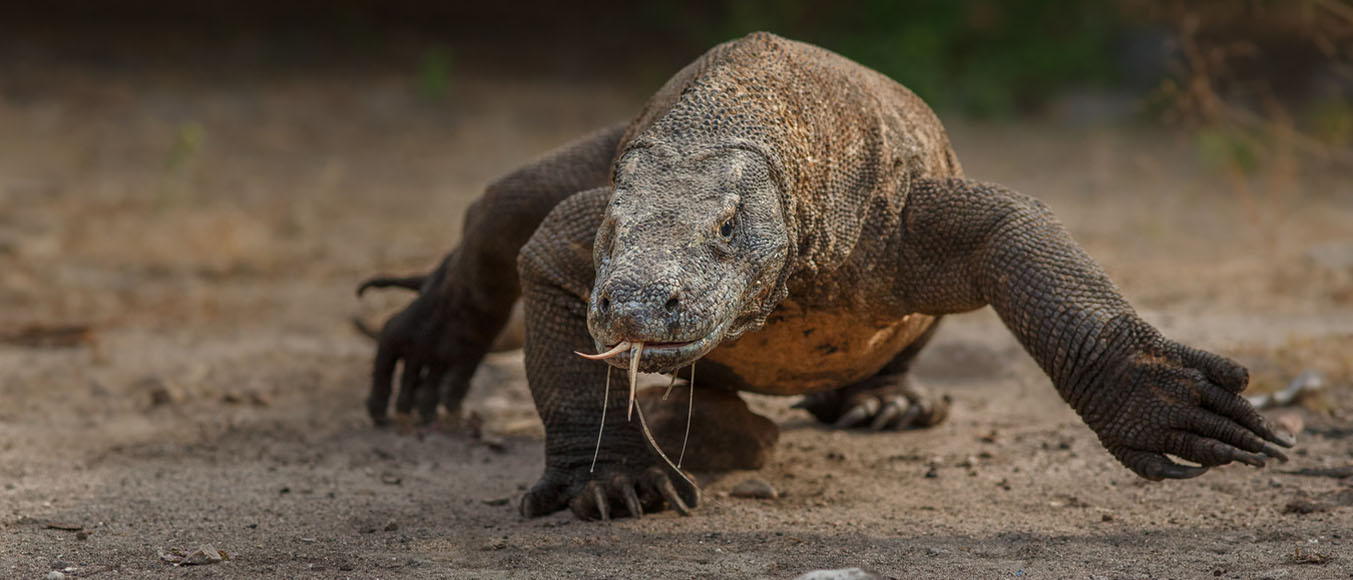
(798, 223)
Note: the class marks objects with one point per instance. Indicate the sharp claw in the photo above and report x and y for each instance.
(670, 494)
(1273, 451)
(1251, 459)
(632, 502)
(908, 418)
(889, 412)
(1176, 471)
(858, 414)
(528, 508)
(603, 506)
(1285, 439)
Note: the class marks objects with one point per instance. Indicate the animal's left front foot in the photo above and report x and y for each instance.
(617, 492)
(885, 402)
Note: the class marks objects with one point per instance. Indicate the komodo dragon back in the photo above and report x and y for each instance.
(844, 139)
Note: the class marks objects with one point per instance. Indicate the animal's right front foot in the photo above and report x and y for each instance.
(438, 349)
(608, 494)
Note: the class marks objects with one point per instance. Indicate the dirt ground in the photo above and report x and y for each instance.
(202, 237)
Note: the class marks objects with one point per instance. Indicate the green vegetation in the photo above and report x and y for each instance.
(982, 57)
(434, 73)
(180, 163)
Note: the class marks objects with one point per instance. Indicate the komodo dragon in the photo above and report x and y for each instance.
(798, 223)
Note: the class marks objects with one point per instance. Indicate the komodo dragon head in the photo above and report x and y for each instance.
(690, 254)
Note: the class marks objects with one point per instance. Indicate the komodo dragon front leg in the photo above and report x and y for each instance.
(462, 305)
(587, 470)
(964, 244)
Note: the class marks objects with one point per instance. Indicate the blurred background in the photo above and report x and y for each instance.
(979, 57)
(191, 191)
(213, 162)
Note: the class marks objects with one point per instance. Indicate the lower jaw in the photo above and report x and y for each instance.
(668, 357)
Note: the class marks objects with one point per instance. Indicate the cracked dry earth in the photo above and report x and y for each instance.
(209, 388)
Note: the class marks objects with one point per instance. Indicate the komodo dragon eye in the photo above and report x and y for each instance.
(726, 230)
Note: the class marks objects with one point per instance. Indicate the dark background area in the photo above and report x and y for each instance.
(982, 57)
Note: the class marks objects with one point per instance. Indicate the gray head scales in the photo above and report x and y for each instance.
(691, 253)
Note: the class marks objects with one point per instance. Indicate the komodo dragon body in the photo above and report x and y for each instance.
(797, 223)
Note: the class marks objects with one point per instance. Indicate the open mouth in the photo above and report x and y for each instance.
(661, 357)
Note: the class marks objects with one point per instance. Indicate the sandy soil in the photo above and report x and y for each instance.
(203, 235)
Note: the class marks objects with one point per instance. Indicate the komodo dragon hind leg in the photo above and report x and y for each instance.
(414, 283)
(724, 434)
(882, 403)
(891, 400)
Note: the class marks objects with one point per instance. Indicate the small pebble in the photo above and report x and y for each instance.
(756, 489)
(54, 575)
(158, 391)
(204, 554)
(842, 574)
(1290, 423)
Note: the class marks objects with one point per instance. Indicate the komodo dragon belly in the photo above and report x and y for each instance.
(801, 351)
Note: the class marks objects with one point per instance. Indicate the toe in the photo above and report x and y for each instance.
(591, 503)
(858, 414)
(655, 483)
(889, 414)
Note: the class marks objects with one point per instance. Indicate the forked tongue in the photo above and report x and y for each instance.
(634, 376)
(637, 350)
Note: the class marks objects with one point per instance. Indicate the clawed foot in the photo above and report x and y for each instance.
(1167, 399)
(436, 340)
(616, 493)
(885, 402)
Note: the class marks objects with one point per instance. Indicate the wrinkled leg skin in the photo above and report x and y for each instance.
(628, 478)
(442, 335)
(889, 401)
(742, 439)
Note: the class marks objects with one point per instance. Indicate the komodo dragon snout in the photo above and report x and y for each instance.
(690, 253)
